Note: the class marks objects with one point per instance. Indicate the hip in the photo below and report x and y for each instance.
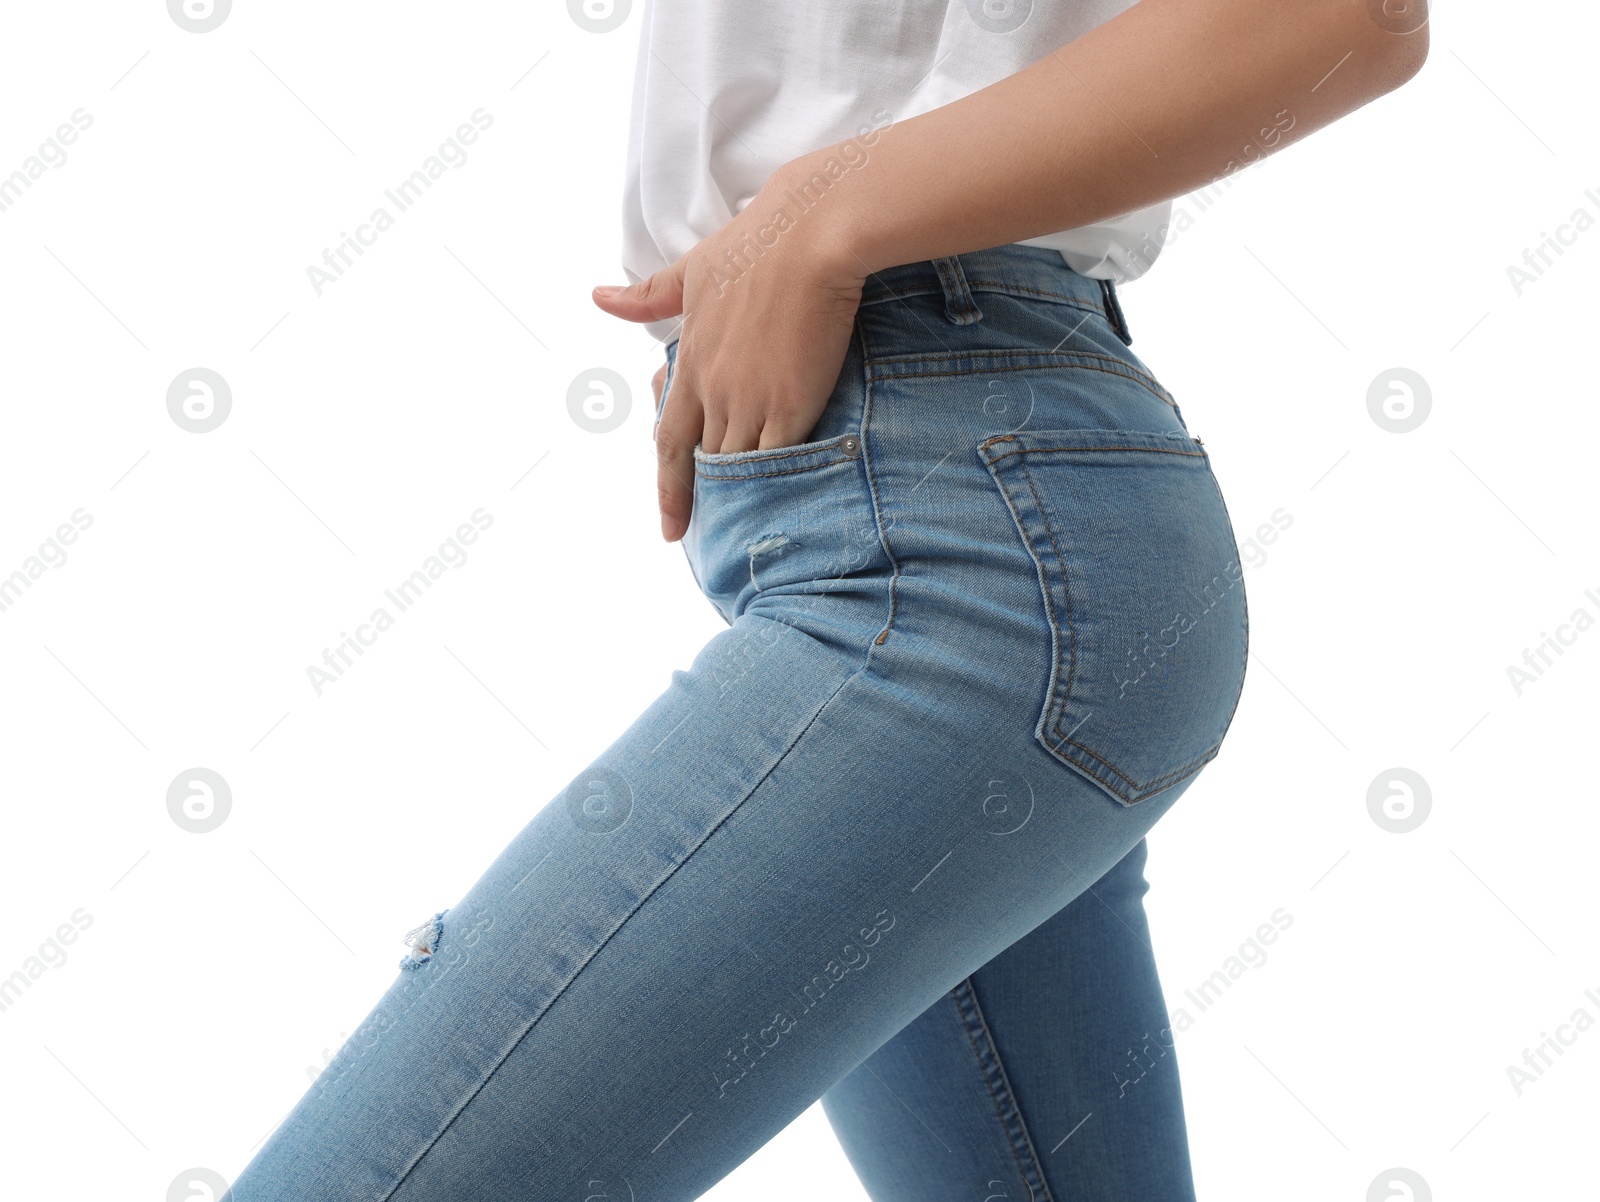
(1001, 511)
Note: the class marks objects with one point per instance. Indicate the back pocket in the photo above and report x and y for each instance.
(1143, 595)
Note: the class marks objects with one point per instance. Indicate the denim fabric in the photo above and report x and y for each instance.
(882, 842)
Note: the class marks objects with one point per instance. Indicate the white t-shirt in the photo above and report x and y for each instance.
(726, 91)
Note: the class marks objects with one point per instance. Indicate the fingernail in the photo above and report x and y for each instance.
(607, 291)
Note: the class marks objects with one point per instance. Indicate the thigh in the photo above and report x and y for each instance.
(1047, 1073)
(741, 900)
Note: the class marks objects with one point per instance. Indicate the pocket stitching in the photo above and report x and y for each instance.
(711, 459)
(1063, 691)
(788, 471)
(1050, 359)
(1143, 450)
(1061, 694)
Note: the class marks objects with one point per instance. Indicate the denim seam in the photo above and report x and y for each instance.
(1031, 356)
(1141, 450)
(883, 294)
(999, 1085)
(874, 498)
(1062, 693)
(1065, 358)
(788, 471)
(829, 444)
(1007, 286)
(875, 297)
(785, 452)
(533, 1022)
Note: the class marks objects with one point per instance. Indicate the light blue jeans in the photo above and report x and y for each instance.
(882, 843)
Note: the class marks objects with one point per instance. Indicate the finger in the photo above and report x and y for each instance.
(654, 298)
(675, 439)
(779, 432)
(713, 434)
(740, 434)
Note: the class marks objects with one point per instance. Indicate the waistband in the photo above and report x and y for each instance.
(1016, 268)
(1021, 270)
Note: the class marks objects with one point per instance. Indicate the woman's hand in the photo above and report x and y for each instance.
(768, 304)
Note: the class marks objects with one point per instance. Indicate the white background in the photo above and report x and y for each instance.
(431, 380)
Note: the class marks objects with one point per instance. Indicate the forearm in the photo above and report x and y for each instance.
(1155, 102)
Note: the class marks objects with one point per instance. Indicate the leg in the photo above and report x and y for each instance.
(800, 846)
(685, 950)
(1047, 1074)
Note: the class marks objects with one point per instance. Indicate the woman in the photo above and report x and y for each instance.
(882, 843)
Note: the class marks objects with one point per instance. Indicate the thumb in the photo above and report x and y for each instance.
(653, 298)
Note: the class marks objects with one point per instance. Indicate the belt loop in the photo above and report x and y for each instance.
(1119, 323)
(958, 303)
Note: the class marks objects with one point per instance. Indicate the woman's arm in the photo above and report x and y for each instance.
(1164, 97)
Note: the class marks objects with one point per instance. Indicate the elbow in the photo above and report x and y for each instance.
(1397, 32)
(1408, 54)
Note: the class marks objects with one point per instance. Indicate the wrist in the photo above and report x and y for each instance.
(820, 198)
